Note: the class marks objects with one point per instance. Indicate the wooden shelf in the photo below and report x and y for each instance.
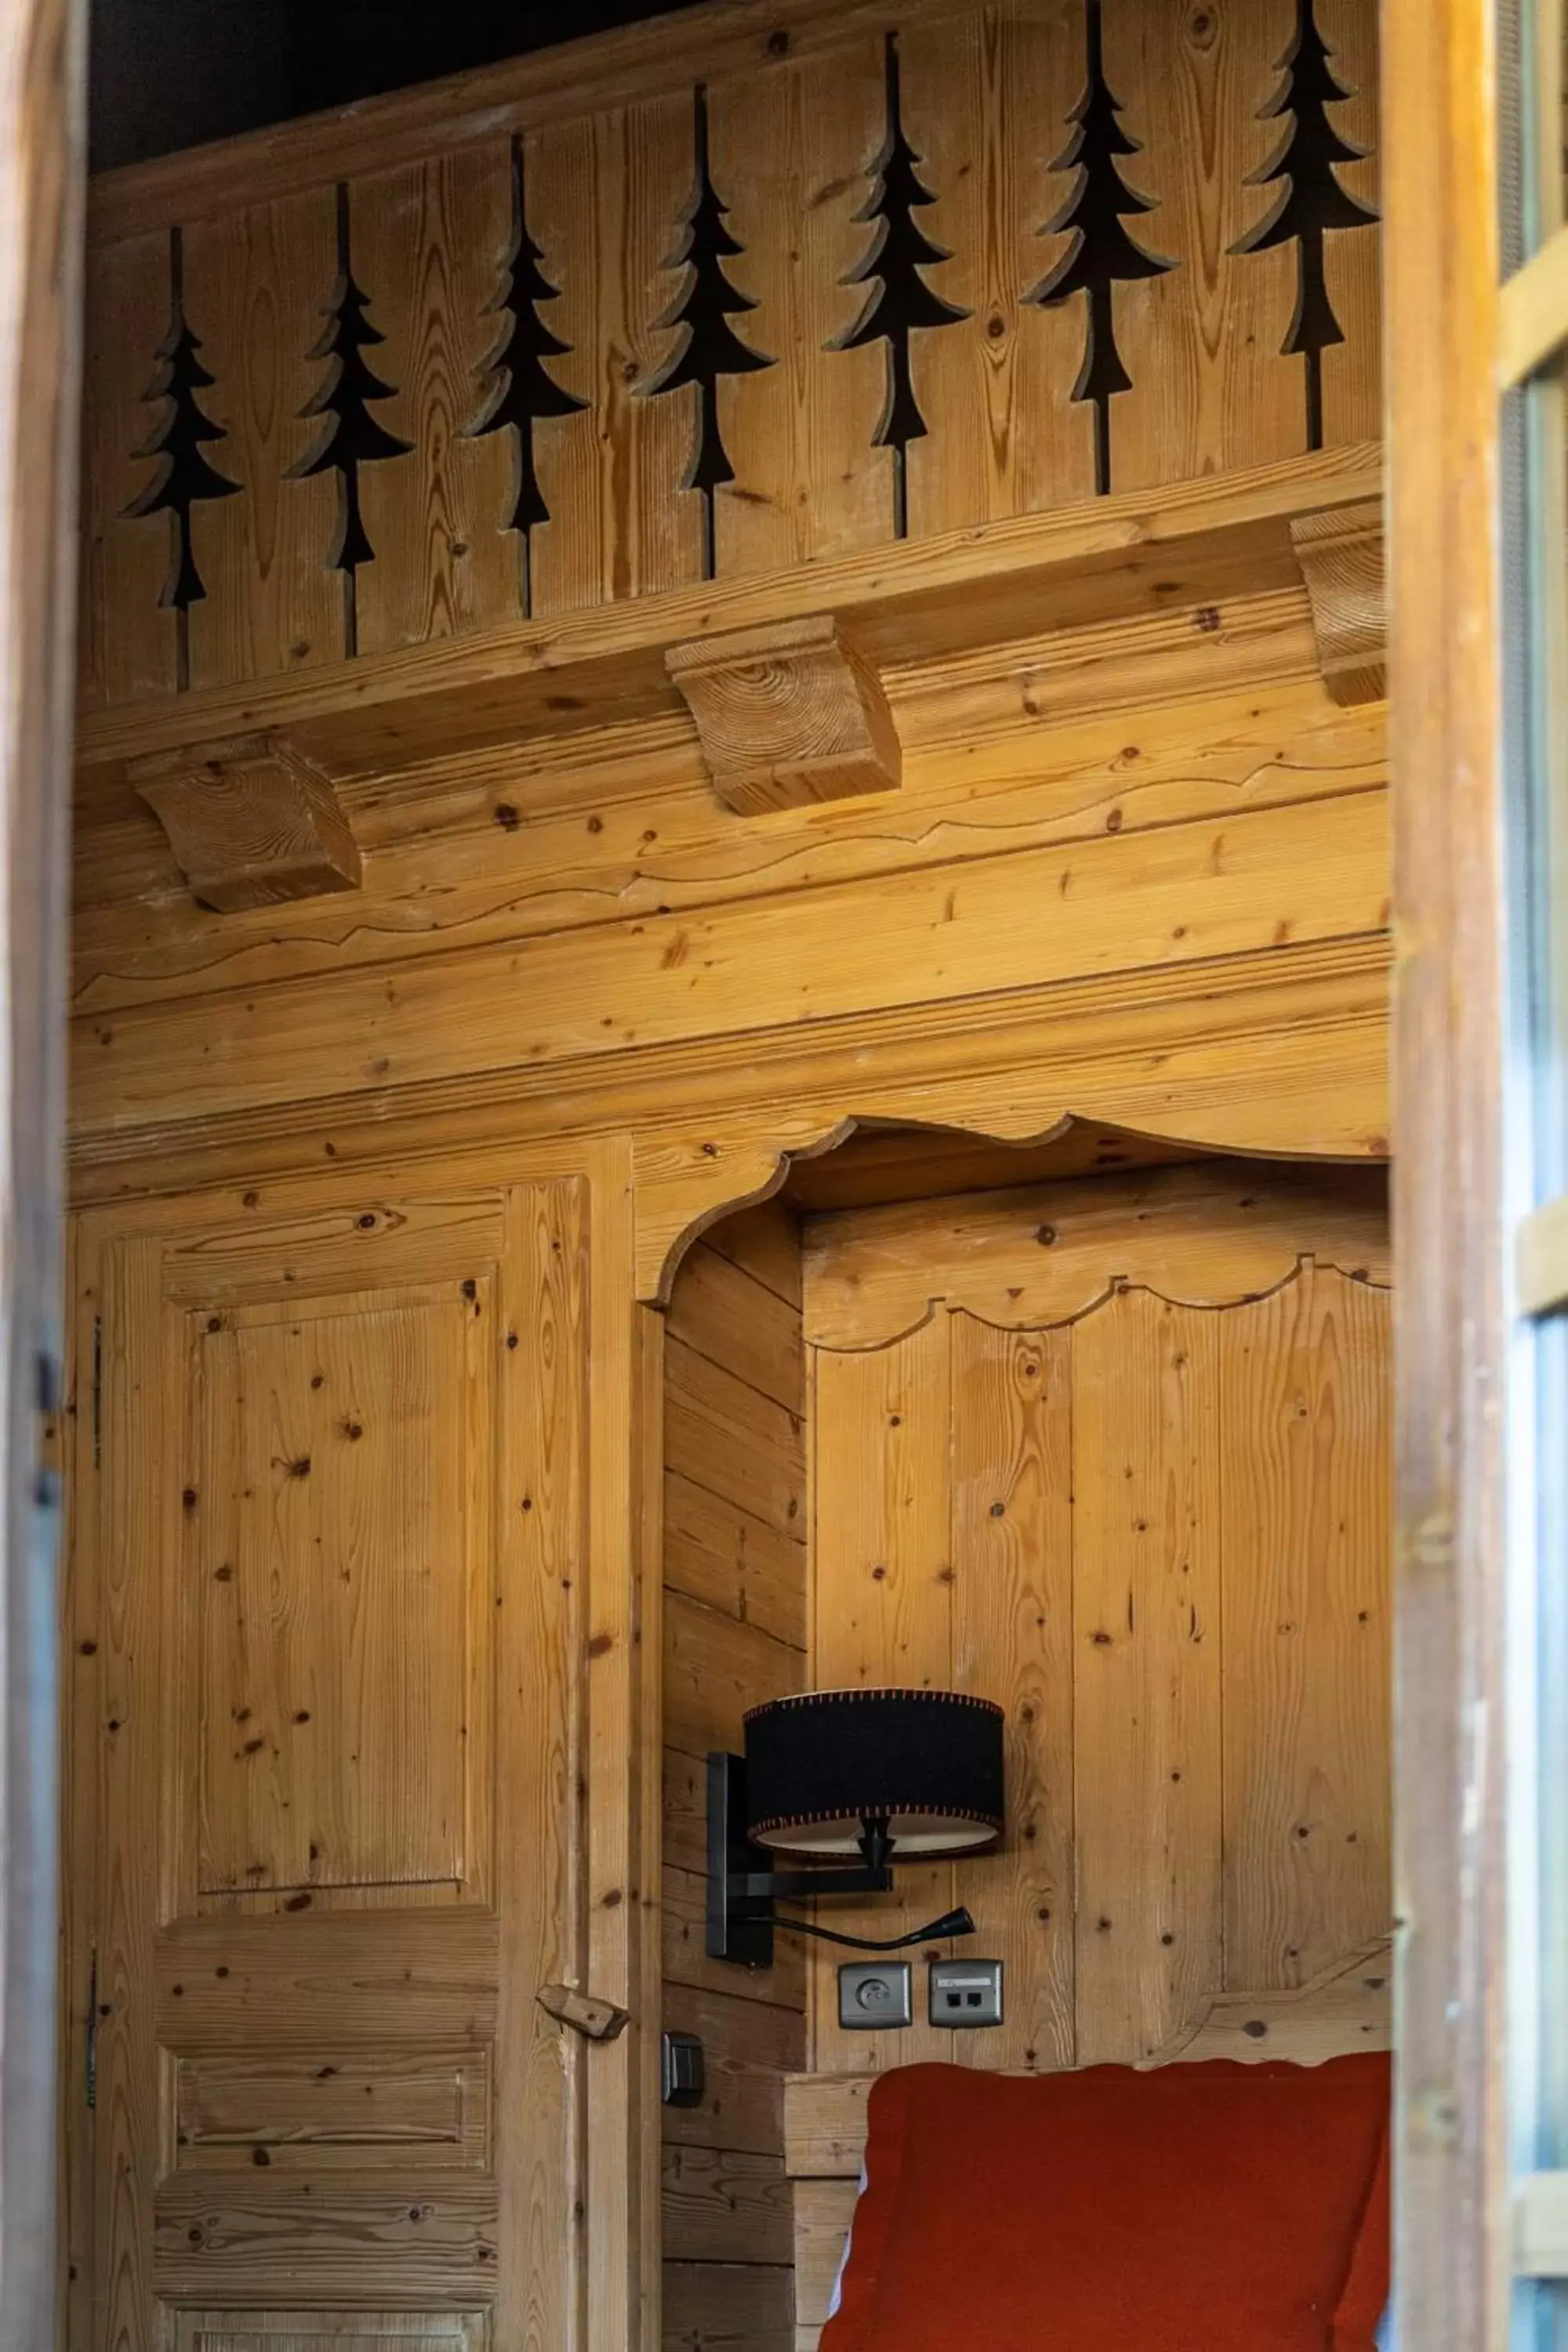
(1188, 545)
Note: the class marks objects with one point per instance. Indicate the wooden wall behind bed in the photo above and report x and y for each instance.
(1114, 1452)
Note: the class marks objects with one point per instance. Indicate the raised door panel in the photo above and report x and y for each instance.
(341, 1526)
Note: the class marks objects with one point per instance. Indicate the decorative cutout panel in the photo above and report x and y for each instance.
(748, 317)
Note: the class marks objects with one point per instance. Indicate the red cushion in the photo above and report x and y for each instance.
(1209, 2207)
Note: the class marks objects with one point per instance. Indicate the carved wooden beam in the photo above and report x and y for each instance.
(1341, 555)
(788, 714)
(250, 821)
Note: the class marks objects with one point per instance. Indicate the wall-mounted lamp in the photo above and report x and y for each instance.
(886, 1776)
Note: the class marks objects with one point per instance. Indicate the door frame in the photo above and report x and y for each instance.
(42, 181)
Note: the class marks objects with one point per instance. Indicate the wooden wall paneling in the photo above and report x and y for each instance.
(325, 1534)
(1147, 1765)
(715, 1668)
(1353, 371)
(428, 244)
(766, 1242)
(789, 150)
(543, 2083)
(719, 1554)
(1194, 891)
(1201, 341)
(711, 2307)
(567, 554)
(757, 1333)
(1305, 1512)
(752, 2045)
(78, 1445)
(987, 95)
(722, 2205)
(883, 1608)
(1012, 1641)
(332, 2331)
(255, 285)
(1205, 1233)
(644, 170)
(685, 1919)
(730, 1439)
(128, 648)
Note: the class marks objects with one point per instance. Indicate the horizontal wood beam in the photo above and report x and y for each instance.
(1190, 544)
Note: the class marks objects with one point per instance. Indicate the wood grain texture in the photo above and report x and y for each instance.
(251, 823)
(332, 2331)
(1341, 563)
(128, 637)
(428, 241)
(788, 717)
(715, 2307)
(256, 281)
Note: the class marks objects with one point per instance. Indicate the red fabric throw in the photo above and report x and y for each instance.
(1207, 2208)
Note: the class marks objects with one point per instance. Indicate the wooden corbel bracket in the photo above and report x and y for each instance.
(1341, 555)
(251, 820)
(787, 715)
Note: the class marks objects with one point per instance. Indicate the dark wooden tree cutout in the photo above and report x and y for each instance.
(178, 441)
(708, 346)
(1103, 253)
(1312, 202)
(523, 389)
(898, 301)
(351, 437)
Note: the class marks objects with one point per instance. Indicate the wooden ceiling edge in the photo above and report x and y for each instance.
(922, 1055)
(954, 592)
(570, 78)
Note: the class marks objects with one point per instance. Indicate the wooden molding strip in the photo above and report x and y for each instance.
(1341, 555)
(788, 715)
(1532, 312)
(1103, 560)
(251, 822)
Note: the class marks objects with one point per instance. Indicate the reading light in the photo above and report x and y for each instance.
(882, 1775)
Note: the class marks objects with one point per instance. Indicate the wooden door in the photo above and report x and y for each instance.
(335, 1554)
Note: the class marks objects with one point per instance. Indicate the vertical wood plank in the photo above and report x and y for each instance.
(541, 1430)
(560, 170)
(255, 281)
(883, 1607)
(428, 243)
(1012, 1564)
(1202, 342)
(1353, 264)
(1304, 1493)
(130, 647)
(790, 148)
(990, 92)
(1146, 1711)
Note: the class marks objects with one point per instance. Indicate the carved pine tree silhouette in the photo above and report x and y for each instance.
(899, 300)
(523, 389)
(708, 346)
(1312, 201)
(1103, 254)
(351, 437)
(178, 442)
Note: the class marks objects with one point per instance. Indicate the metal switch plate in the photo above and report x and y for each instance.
(965, 1992)
(875, 1994)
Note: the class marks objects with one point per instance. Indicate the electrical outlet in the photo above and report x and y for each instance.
(965, 1992)
(874, 1995)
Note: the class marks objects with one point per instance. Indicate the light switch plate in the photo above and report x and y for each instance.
(874, 1995)
(965, 1992)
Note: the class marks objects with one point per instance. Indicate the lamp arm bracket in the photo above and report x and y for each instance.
(951, 1922)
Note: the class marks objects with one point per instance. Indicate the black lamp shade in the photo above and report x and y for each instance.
(926, 1763)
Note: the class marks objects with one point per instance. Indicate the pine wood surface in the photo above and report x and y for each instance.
(331, 2331)
(1150, 1521)
(735, 1574)
(985, 97)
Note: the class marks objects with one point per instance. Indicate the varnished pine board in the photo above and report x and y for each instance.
(428, 244)
(750, 2047)
(684, 1916)
(988, 93)
(715, 1668)
(789, 156)
(332, 2331)
(1013, 1567)
(222, 2239)
(717, 1553)
(1203, 541)
(256, 281)
(1304, 1514)
(1190, 892)
(719, 1308)
(127, 641)
(824, 2210)
(764, 1243)
(728, 2308)
(1146, 1635)
(1204, 1233)
(732, 1441)
(720, 2205)
(882, 1609)
(505, 851)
